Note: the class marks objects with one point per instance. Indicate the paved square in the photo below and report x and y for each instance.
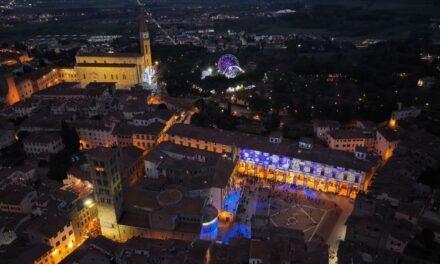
(303, 217)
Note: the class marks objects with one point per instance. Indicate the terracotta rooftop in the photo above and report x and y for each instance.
(287, 147)
(389, 134)
(350, 134)
(109, 55)
(14, 194)
(41, 138)
(327, 123)
(113, 65)
(40, 224)
(169, 197)
(160, 114)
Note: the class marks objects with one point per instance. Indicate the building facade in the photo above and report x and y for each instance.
(321, 169)
(125, 69)
(17, 199)
(94, 134)
(58, 235)
(350, 139)
(386, 142)
(42, 143)
(7, 137)
(321, 128)
(106, 173)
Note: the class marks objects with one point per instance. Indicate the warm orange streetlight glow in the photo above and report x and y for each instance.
(392, 123)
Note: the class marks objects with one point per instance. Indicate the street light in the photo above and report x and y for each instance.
(88, 202)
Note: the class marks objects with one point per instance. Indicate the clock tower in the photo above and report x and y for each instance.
(145, 41)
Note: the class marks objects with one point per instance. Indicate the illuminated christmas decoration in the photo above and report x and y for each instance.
(206, 73)
(210, 227)
(265, 78)
(149, 76)
(209, 230)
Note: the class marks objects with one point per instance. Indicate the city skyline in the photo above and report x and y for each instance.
(189, 131)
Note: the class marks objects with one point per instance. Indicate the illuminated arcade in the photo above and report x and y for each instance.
(293, 171)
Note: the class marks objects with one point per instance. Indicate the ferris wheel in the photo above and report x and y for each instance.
(229, 66)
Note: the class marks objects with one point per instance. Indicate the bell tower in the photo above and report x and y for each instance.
(144, 37)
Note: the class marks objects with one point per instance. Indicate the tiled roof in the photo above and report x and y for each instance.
(287, 147)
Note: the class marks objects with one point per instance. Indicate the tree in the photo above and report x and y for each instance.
(58, 165)
(426, 237)
(20, 46)
(272, 122)
(22, 134)
(162, 107)
(199, 105)
(229, 109)
(70, 137)
(259, 104)
(431, 177)
(177, 85)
